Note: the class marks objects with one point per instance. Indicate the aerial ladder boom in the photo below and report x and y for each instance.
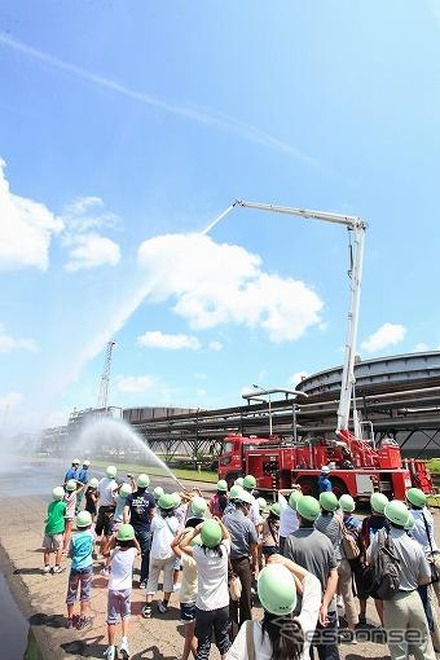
(358, 226)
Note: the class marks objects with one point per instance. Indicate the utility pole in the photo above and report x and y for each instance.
(102, 402)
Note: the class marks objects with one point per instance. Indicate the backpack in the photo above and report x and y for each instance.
(381, 579)
(350, 544)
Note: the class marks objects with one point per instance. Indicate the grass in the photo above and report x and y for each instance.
(180, 473)
(434, 465)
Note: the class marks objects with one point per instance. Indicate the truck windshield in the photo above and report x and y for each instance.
(228, 447)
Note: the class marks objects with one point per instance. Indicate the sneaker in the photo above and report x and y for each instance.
(58, 569)
(362, 620)
(110, 653)
(105, 570)
(84, 623)
(177, 587)
(47, 569)
(69, 623)
(146, 611)
(123, 649)
(142, 585)
(162, 606)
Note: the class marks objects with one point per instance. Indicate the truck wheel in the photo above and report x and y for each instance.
(309, 486)
(339, 487)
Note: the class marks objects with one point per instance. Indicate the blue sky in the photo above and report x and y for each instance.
(126, 127)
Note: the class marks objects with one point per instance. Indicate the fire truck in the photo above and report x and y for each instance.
(358, 466)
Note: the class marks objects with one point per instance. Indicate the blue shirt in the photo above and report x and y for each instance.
(71, 473)
(83, 475)
(81, 548)
(324, 484)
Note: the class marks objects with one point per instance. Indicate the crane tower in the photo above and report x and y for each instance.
(102, 402)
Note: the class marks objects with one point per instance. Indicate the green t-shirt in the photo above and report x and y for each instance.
(55, 517)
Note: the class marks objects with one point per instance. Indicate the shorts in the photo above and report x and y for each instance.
(104, 521)
(269, 550)
(81, 580)
(52, 542)
(156, 566)
(187, 612)
(177, 565)
(118, 605)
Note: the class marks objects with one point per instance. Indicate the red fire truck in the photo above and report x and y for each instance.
(358, 466)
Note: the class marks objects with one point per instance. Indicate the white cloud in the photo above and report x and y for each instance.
(8, 343)
(297, 377)
(26, 229)
(85, 214)
(157, 339)
(91, 250)
(134, 383)
(215, 346)
(421, 347)
(219, 284)
(388, 334)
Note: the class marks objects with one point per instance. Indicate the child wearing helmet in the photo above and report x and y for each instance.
(188, 590)
(91, 496)
(81, 571)
(71, 488)
(54, 530)
(107, 488)
(212, 599)
(284, 633)
(271, 531)
(219, 501)
(122, 552)
(123, 491)
(164, 527)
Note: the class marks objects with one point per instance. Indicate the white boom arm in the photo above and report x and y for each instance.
(358, 226)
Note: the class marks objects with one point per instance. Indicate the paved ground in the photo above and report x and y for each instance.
(41, 599)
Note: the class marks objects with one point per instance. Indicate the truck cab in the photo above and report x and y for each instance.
(232, 461)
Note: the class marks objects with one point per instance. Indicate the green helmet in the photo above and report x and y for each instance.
(83, 519)
(397, 513)
(176, 499)
(125, 533)
(245, 497)
(222, 486)
(416, 497)
(235, 492)
(58, 493)
(198, 506)
(143, 480)
(293, 498)
(262, 504)
(378, 502)
(249, 482)
(125, 490)
(166, 502)
(239, 481)
(410, 522)
(157, 492)
(347, 503)
(277, 590)
(93, 483)
(111, 471)
(308, 507)
(275, 508)
(328, 501)
(211, 533)
(71, 485)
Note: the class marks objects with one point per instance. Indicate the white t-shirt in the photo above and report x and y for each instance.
(212, 570)
(307, 618)
(106, 488)
(254, 512)
(188, 584)
(122, 568)
(164, 530)
(288, 518)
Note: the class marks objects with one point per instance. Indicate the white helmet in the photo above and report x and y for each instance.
(76, 461)
(86, 462)
(325, 469)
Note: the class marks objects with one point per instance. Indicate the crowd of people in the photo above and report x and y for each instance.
(312, 563)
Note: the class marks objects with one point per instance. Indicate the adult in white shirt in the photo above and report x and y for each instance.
(280, 634)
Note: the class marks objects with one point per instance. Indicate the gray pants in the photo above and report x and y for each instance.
(407, 627)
